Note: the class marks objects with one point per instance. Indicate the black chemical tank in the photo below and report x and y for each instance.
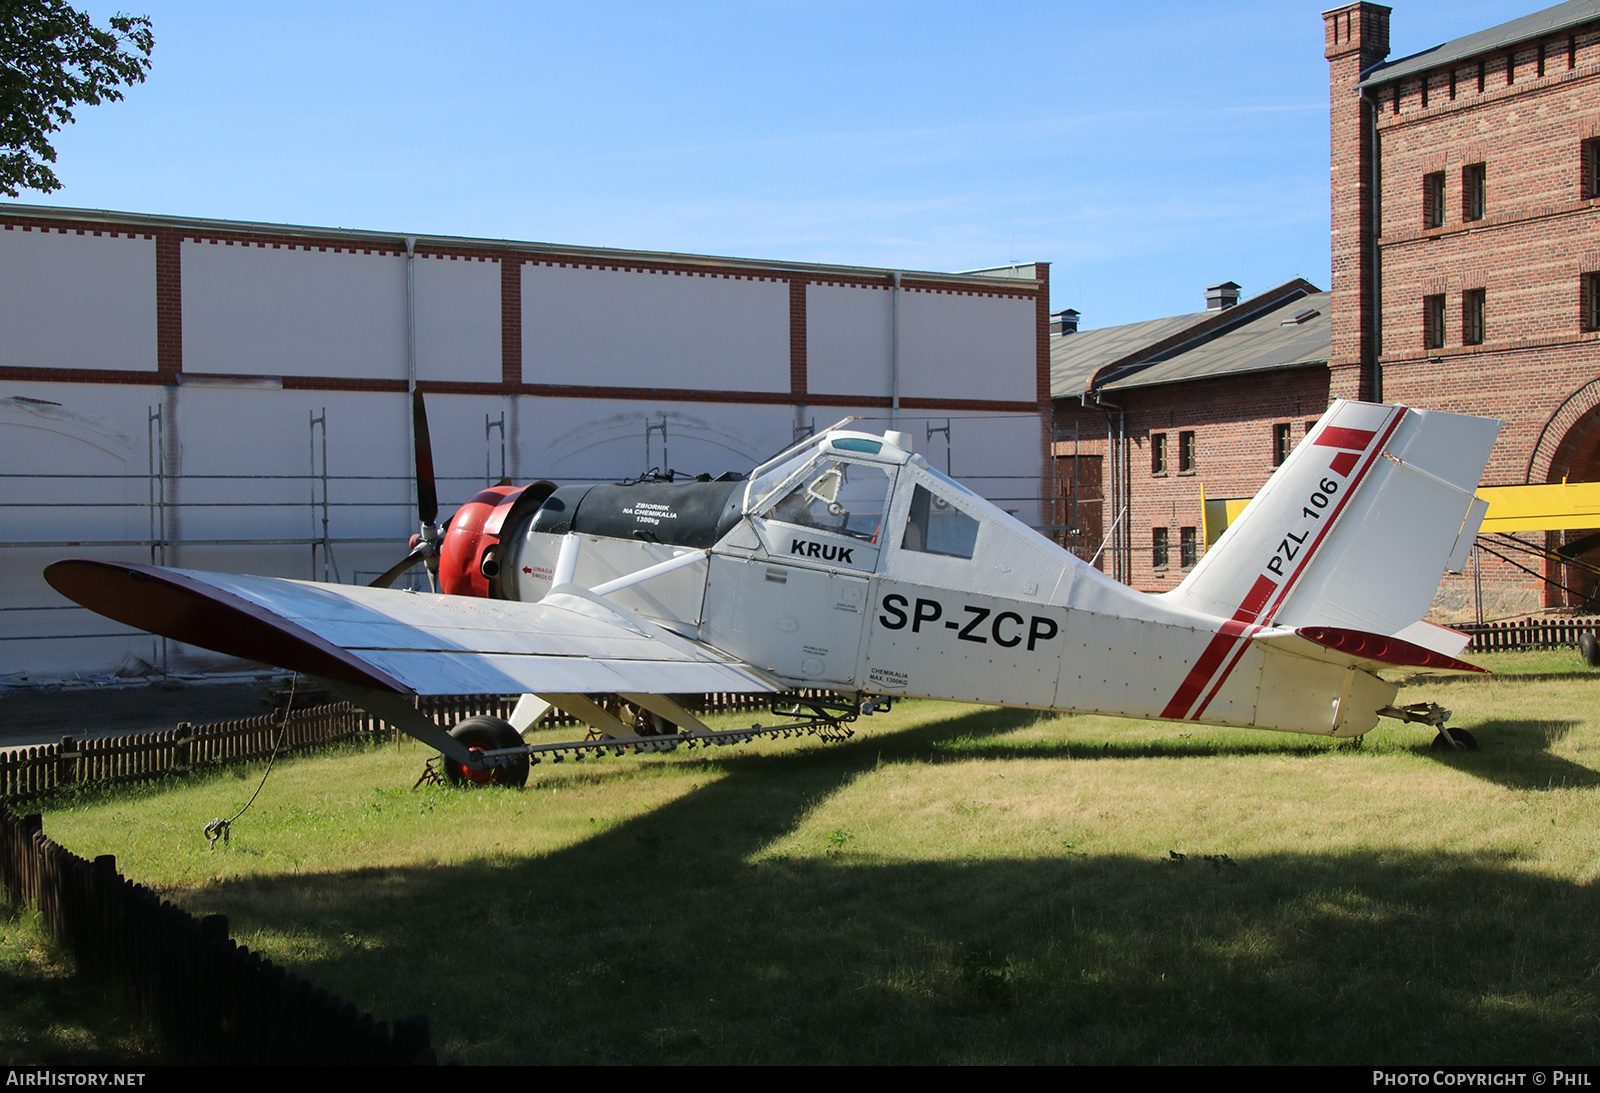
(689, 514)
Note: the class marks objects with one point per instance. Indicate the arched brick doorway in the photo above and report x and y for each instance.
(1569, 450)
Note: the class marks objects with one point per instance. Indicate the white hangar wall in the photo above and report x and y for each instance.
(215, 395)
(677, 329)
(78, 301)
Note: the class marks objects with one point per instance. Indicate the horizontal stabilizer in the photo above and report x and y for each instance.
(1376, 650)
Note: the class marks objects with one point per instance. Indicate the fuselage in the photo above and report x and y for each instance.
(853, 565)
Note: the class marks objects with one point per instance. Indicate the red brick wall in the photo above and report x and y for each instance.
(1232, 420)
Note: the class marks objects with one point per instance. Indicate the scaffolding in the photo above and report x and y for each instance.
(323, 506)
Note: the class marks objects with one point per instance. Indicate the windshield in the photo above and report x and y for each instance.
(838, 496)
(762, 487)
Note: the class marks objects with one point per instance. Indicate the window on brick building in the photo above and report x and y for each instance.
(1474, 187)
(1158, 548)
(1188, 547)
(1433, 322)
(1590, 166)
(1282, 443)
(1473, 303)
(1590, 304)
(1185, 453)
(1158, 453)
(1433, 200)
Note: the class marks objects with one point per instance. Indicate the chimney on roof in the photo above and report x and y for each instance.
(1064, 322)
(1221, 296)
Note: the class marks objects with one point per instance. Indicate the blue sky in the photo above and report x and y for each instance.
(1145, 151)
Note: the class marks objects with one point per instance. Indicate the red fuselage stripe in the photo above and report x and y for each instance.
(1218, 648)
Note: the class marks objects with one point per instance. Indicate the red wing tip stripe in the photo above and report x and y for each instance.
(1359, 643)
(1344, 463)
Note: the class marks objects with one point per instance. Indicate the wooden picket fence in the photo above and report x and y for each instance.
(30, 772)
(212, 1000)
(27, 773)
(1529, 633)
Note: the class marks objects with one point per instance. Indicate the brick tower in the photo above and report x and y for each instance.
(1357, 37)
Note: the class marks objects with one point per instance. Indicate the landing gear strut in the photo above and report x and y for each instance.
(1431, 713)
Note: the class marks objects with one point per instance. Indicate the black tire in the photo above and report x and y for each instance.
(487, 734)
(1590, 648)
(1464, 741)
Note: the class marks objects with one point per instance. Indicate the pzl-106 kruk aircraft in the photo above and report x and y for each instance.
(847, 564)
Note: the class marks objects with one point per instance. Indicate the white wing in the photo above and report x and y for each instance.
(573, 642)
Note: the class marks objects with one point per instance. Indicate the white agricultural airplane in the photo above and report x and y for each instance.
(848, 564)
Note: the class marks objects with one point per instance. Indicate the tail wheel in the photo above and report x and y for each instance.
(487, 734)
(1457, 740)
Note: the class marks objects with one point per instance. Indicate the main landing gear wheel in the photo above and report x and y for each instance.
(1590, 648)
(1455, 740)
(487, 734)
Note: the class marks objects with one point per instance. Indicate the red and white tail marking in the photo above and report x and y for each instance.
(1338, 536)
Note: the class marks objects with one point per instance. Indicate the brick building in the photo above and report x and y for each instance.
(1466, 245)
(1466, 277)
(1155, 419)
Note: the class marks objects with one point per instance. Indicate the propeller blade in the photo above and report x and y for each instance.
(427, 492)
(418, 553)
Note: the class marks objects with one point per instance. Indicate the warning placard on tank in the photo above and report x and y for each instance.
(645, 513)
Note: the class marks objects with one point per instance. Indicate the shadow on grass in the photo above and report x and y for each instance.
(670, 938)
(1516, 754)
(50, 1016)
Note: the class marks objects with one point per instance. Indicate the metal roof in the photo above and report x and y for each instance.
(1268, 342)
(1024, 274)
(1181, 345)
(1540, 23)
(1075, 358)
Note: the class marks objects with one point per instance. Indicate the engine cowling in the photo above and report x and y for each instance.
(469, 563)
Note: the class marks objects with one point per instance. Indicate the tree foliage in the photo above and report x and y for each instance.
(52, 59)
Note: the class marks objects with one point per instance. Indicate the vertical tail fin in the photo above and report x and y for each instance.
(1356, 527)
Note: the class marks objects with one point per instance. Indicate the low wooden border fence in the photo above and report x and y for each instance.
(212, 1000)
(1529, 633)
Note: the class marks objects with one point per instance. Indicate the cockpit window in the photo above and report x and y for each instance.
(843, 498)
(935, 526)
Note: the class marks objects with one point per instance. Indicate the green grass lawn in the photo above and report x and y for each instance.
(955, 884)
